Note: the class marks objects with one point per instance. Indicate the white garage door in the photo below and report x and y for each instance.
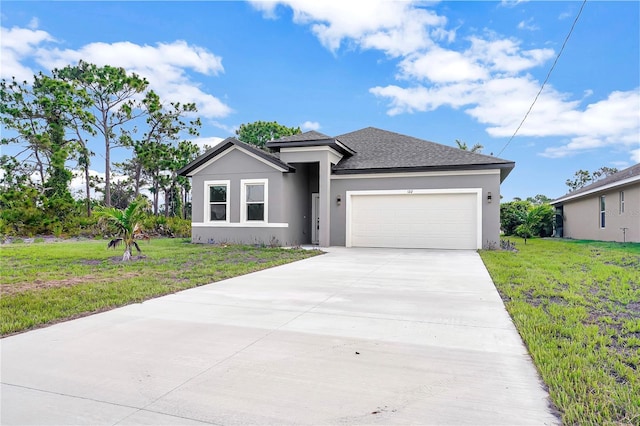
(416, 220)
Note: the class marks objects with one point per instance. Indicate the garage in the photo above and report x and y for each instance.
(436, 219)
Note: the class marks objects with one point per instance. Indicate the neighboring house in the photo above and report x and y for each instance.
(368, 188)
(607, 210)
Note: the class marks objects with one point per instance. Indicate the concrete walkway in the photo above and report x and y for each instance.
(355, 336)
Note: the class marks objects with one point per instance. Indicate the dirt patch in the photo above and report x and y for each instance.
(16, 288)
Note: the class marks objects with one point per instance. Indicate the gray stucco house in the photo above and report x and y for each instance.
(606, 210)
(368, 188)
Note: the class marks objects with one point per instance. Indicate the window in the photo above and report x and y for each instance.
(254, 200)
(602, 211)
(217, 208)
(621, 202)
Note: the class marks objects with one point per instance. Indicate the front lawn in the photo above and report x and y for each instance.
(42, 283)
(576, 305)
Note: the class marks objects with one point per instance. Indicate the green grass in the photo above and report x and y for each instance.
(45, 283)
(576, 305)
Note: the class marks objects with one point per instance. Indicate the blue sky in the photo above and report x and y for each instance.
(435, 70)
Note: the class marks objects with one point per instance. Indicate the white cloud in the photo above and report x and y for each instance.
(34, 23)
(565, 15)
(528, 25)
(207, 141)
(395, 27)
(512, 3)
(310, 125)
(18, 45)
(441, 66)
(489, 79)
(506, 56)
(166, 65)
(635, 155)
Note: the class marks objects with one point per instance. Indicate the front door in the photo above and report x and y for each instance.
(315, 218)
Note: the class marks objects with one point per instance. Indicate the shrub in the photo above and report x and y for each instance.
(525, 220)
(167, 226)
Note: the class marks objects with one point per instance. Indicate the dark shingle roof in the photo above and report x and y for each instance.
(307, 139)
(378, 149)
(226, 144)
(371, 150)
(311, 135)
(611, 179)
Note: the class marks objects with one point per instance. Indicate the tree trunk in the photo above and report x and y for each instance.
(184, 202)
(107, 157)
(127, 254)
(40, 168)
(107, 172)
(137, 179)
(156, 189)
(167, 194)
(87, 187)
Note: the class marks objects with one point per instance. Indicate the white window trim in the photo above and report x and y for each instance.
(621, 202)
(243, 200)
(207, 202)
(251, 224)
(602, 217)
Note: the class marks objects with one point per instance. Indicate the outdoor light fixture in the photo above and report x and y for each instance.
(339, 199)
(489, 197)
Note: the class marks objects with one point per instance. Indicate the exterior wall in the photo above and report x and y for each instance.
(324, 157)
(289, 198)
(298, 205)
(478, 179)
(582, 216)
(235, 166)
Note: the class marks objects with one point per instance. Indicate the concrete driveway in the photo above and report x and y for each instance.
(355, 336)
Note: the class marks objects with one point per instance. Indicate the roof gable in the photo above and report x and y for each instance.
(222, 148)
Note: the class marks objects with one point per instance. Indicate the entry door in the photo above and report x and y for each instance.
(315, 218)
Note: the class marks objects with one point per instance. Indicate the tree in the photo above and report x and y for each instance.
(538, 221)
(156, 153)
(582, 178)
(41, 114)
(544, 215)
(512, 215)
(539, 199)
(128, 223)
(475, 148)
(113, 93)
(260, 132)
(526, 220)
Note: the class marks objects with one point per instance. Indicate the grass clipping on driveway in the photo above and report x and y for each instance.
(576, 305)
(43, 283)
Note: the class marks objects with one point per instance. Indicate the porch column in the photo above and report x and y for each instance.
(325, 202)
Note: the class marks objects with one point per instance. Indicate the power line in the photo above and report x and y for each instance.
(546, 79)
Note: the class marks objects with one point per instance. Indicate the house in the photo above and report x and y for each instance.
(368, 188)
(606, 210)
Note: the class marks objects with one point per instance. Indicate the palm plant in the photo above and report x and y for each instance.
(128, 223)
(463, 146)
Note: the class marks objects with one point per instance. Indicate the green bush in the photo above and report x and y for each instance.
(525, 220)
(167, 226)
(512, 215)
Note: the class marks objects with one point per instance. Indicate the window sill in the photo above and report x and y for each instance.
(239, 225)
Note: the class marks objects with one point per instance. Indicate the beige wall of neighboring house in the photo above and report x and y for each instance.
(582, 216)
